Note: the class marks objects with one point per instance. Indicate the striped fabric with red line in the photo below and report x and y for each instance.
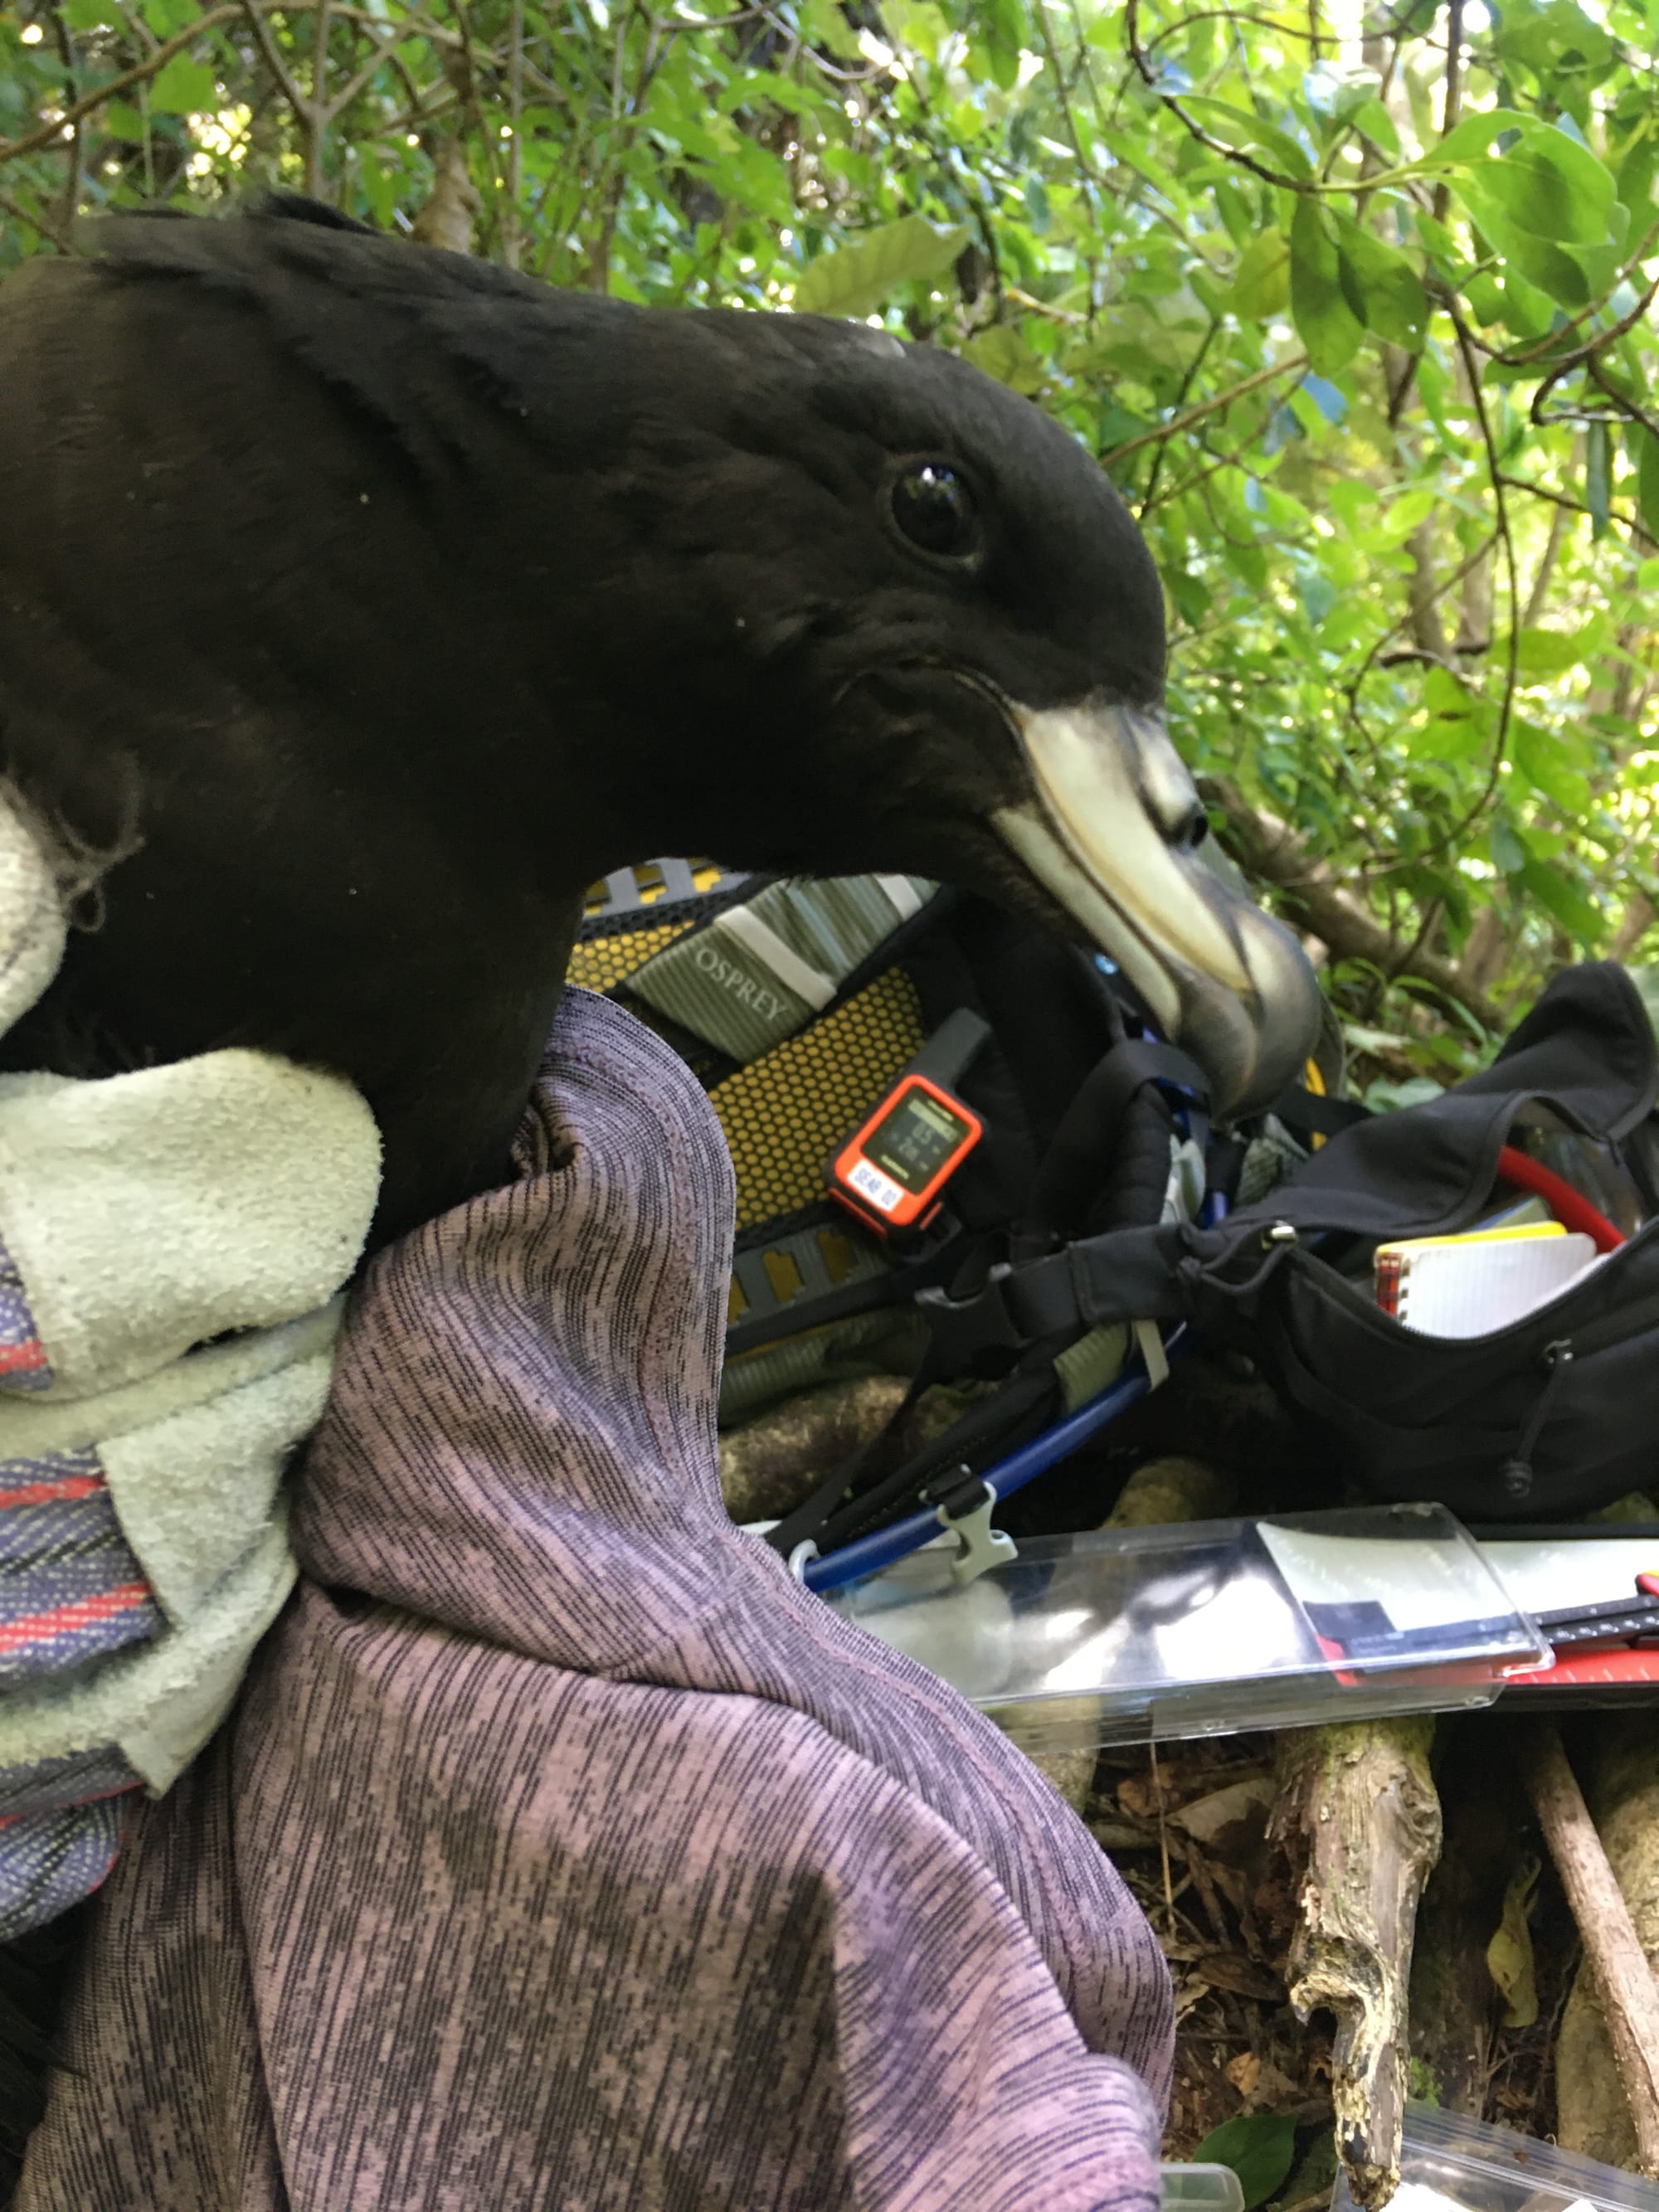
(23, 1362)
(81, 1612)
(71, 1590)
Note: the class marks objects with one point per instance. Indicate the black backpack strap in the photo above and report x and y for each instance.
(1076, 1163)
(836, 1512)
(1305, 1114)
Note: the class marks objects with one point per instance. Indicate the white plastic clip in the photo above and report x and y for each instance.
(801, 1557)
(979, 1545)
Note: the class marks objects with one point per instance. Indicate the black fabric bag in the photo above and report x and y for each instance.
(1554, 1415)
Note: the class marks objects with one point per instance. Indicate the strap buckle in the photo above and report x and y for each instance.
(963, 1510)
(1013, 1307)
(962, 1328)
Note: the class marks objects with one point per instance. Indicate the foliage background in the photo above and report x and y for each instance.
(1355, 309)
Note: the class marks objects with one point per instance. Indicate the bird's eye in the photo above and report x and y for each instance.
(934, 509)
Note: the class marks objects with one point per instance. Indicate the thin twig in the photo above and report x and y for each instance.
(1630, 1995)
(1188, 381)
(69, 198)
(10, 148)
(1190, 123)
(1163, 1832)
(54, 237)
(1173, 429)
(287, 82)
(315, 123)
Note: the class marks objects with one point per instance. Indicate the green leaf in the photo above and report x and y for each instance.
(828, 27)
(1390, 288)
(1538, 652)
(1258, 2146)
(996, 41)
(183, 87)
(1378, 124)
(1324, 315)
(1597, 465)
(1508, 848)
(1529, 312)
(1546, 204)
(1485, 296)
(1647, 481)
(1001, 352)
(1563, 902)
(1262, 281)
(1116, 425)
(1545, 758)
(862, 275)
(1557, 39)
(1558, 187)
(1247, 133)
(1572, 276)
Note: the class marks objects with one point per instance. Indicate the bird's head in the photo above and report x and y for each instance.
(915, 629)
(437, 593)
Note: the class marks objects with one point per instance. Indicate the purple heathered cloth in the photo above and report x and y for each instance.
(596, 1864)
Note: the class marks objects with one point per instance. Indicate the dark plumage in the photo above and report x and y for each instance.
(372, 601)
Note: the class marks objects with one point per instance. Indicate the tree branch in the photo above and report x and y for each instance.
(1172, 430)
(1270, 848)
(1630, 1995)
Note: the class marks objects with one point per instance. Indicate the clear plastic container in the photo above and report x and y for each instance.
(1449, 2163)
(1125, 1636)
(1199, 2189)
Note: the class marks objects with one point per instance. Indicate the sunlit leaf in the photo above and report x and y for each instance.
(183, 86)
(1239, 127)
(865, 272)
(1546, 759)
(1562, 899)
(1371, 118)
(1391, 291)
(1325, 316)
(1539, 652)
(1003, 352)
(1262, 281)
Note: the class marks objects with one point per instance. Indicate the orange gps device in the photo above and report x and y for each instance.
(891, 1173)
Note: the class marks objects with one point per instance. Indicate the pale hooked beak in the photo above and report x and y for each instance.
(1113, 833)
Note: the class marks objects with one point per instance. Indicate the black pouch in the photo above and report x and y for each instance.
(1551, 1416)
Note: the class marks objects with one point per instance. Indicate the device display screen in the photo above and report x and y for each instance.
(915, 1139)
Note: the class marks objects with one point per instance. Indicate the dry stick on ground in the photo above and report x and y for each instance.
(1630, 1995)
(1358, 1808)
(1592, 2113)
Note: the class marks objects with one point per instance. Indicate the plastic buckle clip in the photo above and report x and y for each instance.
(964, 1512)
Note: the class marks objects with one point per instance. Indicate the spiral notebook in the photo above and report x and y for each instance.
(1469, 1285)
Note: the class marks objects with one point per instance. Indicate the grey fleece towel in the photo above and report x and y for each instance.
(142, 1545)
(563, 1852)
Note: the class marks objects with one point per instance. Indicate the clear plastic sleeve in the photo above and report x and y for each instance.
(1122, 1636)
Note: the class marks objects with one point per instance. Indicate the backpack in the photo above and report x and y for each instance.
(1547, 1418)
(799, 1005)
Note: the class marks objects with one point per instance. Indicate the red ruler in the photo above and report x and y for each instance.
(1617, 1666)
